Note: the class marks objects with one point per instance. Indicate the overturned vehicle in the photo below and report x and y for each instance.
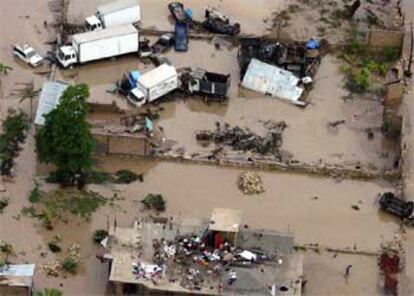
(396, 206)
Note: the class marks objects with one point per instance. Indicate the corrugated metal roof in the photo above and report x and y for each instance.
(104, 33)
(49, 99)
(115, 6)
(156, 75)
(269, 79)
(17, 270)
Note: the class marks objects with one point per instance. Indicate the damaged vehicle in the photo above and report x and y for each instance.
(27, 54)
(179, 13)
(216, 22)
(396, 206)
(165, 42)
(181, 37)
(206, 83)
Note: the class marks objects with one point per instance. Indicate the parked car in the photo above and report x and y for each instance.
(27, 54)
(163, 43)
(177, 11)
(398, 207)
(181, 37)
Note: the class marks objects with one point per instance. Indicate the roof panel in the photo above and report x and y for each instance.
(49, 99)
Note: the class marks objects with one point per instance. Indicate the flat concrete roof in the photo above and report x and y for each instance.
(225, 220)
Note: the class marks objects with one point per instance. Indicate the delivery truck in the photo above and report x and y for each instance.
(121, 12)
(153, 85)
(97, 45)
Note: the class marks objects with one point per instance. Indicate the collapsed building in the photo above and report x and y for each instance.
(201, 257)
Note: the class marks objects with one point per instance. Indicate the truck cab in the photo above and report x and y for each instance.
(93, 23)
(136, 97)
(66, 56)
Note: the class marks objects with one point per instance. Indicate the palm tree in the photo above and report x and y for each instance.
(28, 92)
(4, 69)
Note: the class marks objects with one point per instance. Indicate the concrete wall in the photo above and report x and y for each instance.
(132, 145)
(385, 38)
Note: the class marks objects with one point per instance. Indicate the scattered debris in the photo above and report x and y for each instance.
(4, 202)
(100, 235)
(250, 183)
(245, 140)
(355, 207)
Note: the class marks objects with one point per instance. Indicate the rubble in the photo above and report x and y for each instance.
(250, 183)
(243, 139)
(53, 268)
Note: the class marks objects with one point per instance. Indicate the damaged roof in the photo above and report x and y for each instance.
(49, 99)
(272, 80)
(17, 275)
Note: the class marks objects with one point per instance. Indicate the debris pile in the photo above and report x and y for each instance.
(243, 139)
(250, 183)
(52, 268)
(191, 261)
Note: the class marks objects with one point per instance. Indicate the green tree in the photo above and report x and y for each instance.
(65, 140)
(49, 292)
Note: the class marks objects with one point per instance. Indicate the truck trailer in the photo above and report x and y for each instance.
(97, 45)
(118, 13)
(153, 85)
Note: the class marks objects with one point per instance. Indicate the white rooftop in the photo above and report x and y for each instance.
(156, 75)
(115, 6)
(49, 99)
(105, 33)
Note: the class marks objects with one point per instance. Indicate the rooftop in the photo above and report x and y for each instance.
(174, 256)
(225, 220)
(49, 99)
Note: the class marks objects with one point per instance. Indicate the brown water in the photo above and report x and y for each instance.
(287, 204)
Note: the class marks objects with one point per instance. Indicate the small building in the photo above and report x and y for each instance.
(177, 257)
(16, 279)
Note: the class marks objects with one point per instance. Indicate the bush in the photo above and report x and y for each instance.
(54, 247)
(125, 177)
(48, 292)
(35, 194)
(154, 201)
(4, 202)
(100, 235)
(69, 264)
(98, 177)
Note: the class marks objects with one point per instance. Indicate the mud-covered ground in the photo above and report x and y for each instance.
(289, 202)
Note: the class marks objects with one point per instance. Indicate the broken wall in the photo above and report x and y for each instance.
(385, 38)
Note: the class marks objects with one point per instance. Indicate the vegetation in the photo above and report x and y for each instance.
(4, 69)
(48, 292)
(70, 264)
(125, 177)
(54, 247)
(4, 202)
(14, 127)
(154, 201)
(35, 195)
(65, 140)
(55, 206)
(100, 235)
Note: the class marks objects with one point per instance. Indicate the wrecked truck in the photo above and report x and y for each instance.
(117, 13)
(396, 206)
(216, 22)
(200, 81)
(153, 85)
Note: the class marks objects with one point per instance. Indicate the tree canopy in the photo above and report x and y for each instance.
(65, 140)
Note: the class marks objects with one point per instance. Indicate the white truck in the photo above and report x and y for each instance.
(97, 45)
(121, 12)
(153, 85)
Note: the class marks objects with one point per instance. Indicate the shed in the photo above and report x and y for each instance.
(49, 99)
(273, 81)
(225, 220)
(16, 279)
